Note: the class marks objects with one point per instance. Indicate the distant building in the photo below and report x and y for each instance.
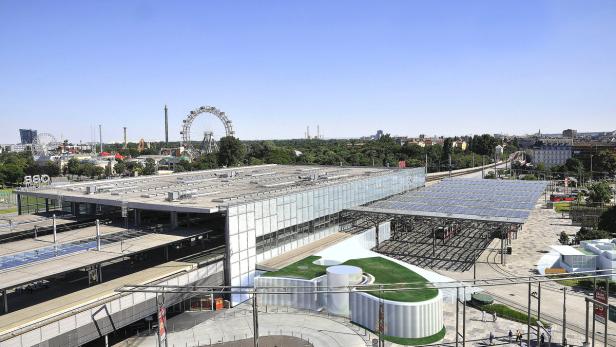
(27, 136)
(459, 144)
(551, 155)
(379, 134)
(570, 133)
(590, 255)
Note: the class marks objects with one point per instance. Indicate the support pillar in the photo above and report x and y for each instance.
(19, 204)
(46, 205)
(53, 223)
(5, 301)
(75, 209)
(98, 235)
(92, 209)
(166, 253)
(376, 233)
(99, 273)
(137, 216)
(174, 219)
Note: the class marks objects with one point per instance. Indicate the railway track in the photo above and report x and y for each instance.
(435, 176)
(555, 320)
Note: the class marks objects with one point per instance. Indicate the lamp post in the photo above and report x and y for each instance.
(591, 167)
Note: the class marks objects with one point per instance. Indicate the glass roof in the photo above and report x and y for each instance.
(477, 199)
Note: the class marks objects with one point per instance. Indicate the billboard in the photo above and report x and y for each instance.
(162, 324)
(600, 311)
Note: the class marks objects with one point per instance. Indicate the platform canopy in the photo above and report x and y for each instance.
(503, 201)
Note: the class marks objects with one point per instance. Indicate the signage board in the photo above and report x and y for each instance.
(600, 311)
(162, 324)
(36, 180)
(612, 313)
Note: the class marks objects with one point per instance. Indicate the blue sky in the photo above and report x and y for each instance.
(407, 67)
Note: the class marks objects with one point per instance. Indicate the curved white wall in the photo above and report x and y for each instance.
(304, 296)
(402, 319)
(340, 277)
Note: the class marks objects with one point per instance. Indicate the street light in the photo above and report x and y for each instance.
(591, 167)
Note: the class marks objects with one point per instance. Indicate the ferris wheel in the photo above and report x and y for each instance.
(43, 143)
(207, 144)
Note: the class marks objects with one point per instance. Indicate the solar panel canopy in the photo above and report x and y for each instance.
(508, 201)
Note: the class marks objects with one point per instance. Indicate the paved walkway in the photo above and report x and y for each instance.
(541, 230)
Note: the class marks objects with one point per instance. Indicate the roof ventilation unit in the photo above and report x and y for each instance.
(90, 189)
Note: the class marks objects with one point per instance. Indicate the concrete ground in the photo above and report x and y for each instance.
(541, 230)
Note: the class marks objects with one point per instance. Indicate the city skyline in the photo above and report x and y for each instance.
(352, 68)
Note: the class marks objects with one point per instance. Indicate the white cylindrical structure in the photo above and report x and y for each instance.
(98, 236)
(339, 277)
(54, 228)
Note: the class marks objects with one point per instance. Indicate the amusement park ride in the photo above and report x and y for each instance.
(208, 144)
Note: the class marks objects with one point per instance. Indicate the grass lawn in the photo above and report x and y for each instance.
(564, 206)
(415, 341)
(6, 190)
(587, 284)
(9, 210)
(383, 270)
(507, 312)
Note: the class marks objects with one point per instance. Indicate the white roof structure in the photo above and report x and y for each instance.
(566, 250)
(205, 191)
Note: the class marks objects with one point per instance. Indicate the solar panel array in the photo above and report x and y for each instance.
(49, 252)
(476, 199)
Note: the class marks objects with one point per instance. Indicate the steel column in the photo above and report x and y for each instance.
(564, 316)
(53, 222)
(255, 318)
(528, 318)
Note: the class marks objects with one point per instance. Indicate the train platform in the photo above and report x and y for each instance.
(70, 304)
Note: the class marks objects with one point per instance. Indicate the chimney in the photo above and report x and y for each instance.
(166, 127)
(100, 136)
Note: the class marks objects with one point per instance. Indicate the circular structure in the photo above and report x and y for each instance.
(339, 277)
(43, 143)
(206, 144)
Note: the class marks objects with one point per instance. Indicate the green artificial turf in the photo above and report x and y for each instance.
(420, 341)
(503, 311)
(383, 270)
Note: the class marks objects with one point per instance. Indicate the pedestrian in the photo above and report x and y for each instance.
(491, 338)
(510, 335)
(542, 339)
(483, 315)
(494, 317)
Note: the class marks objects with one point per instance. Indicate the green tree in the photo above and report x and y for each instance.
(574, 165)
(447, 149)
(150, 167)
(11, 174)
(134, 167)
(590, 234)
(607, 221)
(120, 167)
(599, 193)
(605, 161)
(183, 165)
(231, 151)
(73, 166)
(564, 238)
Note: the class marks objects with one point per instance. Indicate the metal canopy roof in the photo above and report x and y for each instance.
(463, 198)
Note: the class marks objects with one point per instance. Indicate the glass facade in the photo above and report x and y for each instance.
(266, 228)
